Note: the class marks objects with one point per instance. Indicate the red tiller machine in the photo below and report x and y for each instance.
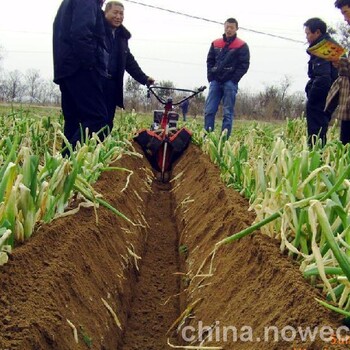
(164, 142)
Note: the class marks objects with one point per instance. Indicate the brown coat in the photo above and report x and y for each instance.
(339, 92)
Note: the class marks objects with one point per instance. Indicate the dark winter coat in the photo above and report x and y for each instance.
(121, 60)
(79, 38)
(321, 74)
(184, 106)
(228, 59)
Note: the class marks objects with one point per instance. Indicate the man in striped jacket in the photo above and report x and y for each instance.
(340, 90)
(227, 61)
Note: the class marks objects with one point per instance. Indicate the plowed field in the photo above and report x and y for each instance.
(137, 286)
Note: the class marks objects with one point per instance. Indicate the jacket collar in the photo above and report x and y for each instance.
(324, 36)
(229, 39)
(120, 31)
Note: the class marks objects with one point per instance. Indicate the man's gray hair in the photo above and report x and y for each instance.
(110, 4)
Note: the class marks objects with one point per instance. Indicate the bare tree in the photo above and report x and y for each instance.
(197, 104)
(14, 87)
(134, 94)
(284, 98)
(341, 34)
(49, 93)
(2, 86)
(164, 94)
(33, 82)
(1, 56)
(275, 102)
(247, 105)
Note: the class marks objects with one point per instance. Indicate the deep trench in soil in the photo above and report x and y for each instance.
(55, 287)
(156, 304)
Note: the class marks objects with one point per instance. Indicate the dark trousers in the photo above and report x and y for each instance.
(317, 122)
(345, 131)
(83, 105)
(111, 94)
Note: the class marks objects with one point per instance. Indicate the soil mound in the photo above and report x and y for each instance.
(100, 282)
(256, 297)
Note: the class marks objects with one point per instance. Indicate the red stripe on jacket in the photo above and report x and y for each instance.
(236, 44)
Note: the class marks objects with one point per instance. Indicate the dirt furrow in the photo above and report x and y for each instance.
(70, 266)
(156, 304)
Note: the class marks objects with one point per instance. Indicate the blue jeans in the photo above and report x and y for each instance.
(227, 92)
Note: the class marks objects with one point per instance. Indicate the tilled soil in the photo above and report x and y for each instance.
(83, 273)
(156, 303)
